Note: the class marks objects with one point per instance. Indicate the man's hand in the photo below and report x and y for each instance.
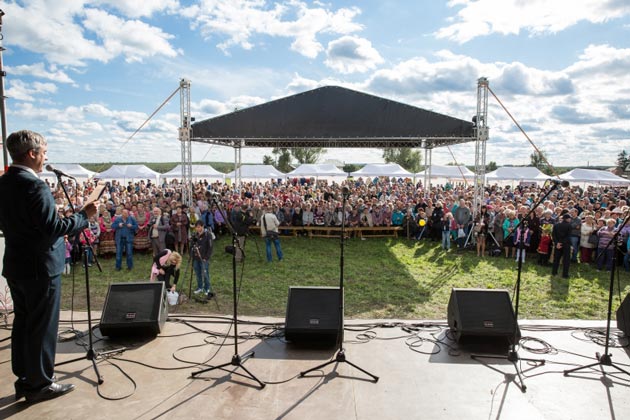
(90, 209)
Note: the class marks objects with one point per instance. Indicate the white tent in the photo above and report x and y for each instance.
(72, 169)
(593, 176)
(382, 169)
(516, 173)
(448, 172)
(316, 170)
(256, 172)
(129, 173)
(198, 171)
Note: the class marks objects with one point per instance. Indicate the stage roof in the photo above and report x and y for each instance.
(333, 116)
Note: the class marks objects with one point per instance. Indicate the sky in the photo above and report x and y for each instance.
(87, 73)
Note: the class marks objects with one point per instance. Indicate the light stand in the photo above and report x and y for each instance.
(512, 355)
(340, 357)
(90, 355)
(237, 359)
(606, 358)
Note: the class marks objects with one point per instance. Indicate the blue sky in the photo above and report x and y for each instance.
(87, 73)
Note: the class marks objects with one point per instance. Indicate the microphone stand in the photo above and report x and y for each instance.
(90, 355)
(512, 355)
(340, 357)
(606, 358)
(237, 360)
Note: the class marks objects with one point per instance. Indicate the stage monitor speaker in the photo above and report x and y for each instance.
(313, 315)
(482, 313)
(623, 316)
(134, 309)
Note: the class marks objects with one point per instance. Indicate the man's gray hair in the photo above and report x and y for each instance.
(22, 141)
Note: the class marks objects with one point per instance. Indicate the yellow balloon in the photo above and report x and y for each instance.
(422, 222)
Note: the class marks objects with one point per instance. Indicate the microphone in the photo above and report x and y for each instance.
(58, 172)
(562, 182)
(345, 191)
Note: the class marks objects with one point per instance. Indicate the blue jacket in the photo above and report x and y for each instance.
(124, 233)
(34, 246)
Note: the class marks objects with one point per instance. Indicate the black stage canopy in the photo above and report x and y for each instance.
(332, 116)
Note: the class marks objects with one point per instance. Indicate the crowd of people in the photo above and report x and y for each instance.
(40, 228)
(505, 221)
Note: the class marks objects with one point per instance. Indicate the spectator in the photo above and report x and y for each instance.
(560, 235)
(201, 250)
(125, 228)
(606, 250)
(269, 231)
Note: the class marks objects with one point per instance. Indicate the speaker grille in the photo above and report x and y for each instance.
(134, 308)
(313, 314)
(481, 312)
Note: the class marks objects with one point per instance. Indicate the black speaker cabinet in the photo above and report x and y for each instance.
(313, 315)
(134, 309)
(481, 312)
(623, 316)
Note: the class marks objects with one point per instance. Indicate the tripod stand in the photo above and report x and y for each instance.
(606, 358)
(237, 359)
(90, 354)
(340, 357)
(512, 355)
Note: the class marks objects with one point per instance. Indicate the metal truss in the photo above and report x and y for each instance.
(185, 131)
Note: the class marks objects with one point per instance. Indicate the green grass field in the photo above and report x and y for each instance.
(384, 278)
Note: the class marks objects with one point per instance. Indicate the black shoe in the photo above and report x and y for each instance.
(210, 295)
(53, 390)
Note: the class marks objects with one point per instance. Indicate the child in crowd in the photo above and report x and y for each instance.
(68, 247)
(522, 234)
(446, 230)
(544, 245)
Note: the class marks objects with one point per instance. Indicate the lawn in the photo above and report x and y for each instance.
(384, 278)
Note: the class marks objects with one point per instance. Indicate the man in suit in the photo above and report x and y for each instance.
(561, 236)
(34, 259)
(125, 228)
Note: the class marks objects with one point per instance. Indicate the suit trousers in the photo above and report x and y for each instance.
(36, 305)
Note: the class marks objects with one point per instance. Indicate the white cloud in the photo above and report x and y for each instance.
(131, 38)
(40, 71)
(238, 21)
(21, 91)
(351, 54)
(137, 9)
(70, 33)
(510, 17)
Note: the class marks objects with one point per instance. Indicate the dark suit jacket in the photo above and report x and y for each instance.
(34, 246)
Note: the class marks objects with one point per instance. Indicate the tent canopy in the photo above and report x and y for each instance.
(257, 172)
(382, 169)
(594, 176)
(316, 170)
(72, 169)
(516, 173)
(332, 116)
(449, 172)
(129, 172)
(198, 171)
